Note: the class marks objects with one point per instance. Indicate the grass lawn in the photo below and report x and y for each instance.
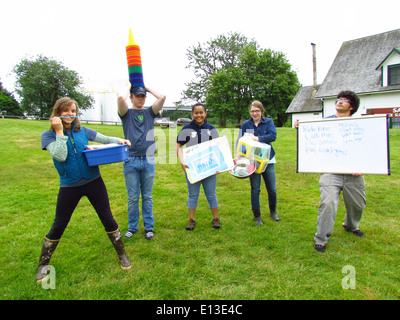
(240, 261)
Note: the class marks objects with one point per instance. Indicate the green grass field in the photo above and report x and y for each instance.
(240, 261)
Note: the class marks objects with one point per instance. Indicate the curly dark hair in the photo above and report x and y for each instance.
(354, 99)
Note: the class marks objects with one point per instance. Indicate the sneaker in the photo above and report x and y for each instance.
(129, 234)
(191, 224)
(320, 248)
(359, 233)
(149, 235)
(216, 223)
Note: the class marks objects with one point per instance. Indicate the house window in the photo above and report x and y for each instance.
(394, 74)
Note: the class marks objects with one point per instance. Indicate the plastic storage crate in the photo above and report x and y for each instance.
(256, 151)
(106, 155)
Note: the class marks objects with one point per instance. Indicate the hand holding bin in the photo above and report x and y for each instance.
(243, 167)
(256, 151)
(105, 154)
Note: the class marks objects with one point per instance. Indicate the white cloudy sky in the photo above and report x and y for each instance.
(89, 36)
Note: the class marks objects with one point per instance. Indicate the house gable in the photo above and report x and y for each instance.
(393, 55)
(390, 68)
(304, 102)
(355, 65)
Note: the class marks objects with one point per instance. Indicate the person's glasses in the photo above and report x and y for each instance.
(344, 100)
(255, 111)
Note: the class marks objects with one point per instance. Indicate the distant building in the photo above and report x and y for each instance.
(370, 67)
(304, 106)
(105, 108)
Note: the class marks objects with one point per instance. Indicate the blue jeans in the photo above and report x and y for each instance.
(139, 175)
(209, 186)
(270, 183)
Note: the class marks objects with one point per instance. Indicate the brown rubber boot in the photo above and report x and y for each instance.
(116, 240)
(48, 248)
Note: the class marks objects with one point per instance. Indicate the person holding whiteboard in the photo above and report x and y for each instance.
(352, 186)
(263, 130)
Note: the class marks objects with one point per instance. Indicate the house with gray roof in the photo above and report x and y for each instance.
(369, 66)
(305, 106)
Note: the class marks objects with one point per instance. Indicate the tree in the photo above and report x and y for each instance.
(42, 81)
(226, 95)
(205, 60)
(8, 103)
(230, 72)
(268, 77)
(260, 74)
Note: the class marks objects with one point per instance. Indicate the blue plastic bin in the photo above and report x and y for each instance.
(108, 155)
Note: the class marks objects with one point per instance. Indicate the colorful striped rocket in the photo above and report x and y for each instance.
(134, 62)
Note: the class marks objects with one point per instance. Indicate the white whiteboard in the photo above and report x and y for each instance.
(344, 145)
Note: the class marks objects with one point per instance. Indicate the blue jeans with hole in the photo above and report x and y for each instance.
(139, 175)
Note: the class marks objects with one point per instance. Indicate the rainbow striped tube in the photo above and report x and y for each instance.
(134, 62)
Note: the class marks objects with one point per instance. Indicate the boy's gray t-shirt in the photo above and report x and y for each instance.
(138, 128)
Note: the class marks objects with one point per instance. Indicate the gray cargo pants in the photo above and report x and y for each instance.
(354, 197)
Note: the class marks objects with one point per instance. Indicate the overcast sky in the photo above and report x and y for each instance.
(89, 36)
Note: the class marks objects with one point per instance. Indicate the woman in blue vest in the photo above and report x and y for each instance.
(65, 141)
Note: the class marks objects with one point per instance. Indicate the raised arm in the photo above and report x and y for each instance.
(122, 105)
(122, 97)
(159, 103)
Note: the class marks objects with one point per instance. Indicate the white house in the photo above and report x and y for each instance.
(370, 67)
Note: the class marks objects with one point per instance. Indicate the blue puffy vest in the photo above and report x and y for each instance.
(75, 166)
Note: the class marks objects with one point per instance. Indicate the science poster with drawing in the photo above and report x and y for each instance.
(206, 158)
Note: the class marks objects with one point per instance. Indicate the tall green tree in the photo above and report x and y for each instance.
(231, 71)
(207, 59)
(260, 74)
(269, 78)
(42, 81)
(8, 104)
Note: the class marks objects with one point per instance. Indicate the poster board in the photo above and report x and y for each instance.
(206, 158)
(344, 145)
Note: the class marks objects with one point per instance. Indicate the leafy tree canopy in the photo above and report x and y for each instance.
(8, 104)
(207, 59)
(231, 72)
(42, 81)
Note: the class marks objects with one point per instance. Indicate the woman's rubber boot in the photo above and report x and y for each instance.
(257, 217)
(116, 240)
(274, 214)
(48, 248)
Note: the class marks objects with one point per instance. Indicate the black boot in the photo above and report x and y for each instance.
(48, 248)
(116, 240)
(257, 216)
(274, 214)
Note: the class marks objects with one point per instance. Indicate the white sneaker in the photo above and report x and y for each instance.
(129, 234)
(149, 235)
